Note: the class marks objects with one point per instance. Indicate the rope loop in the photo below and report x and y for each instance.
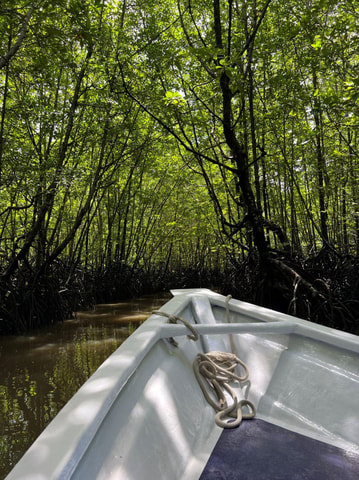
(214, 371)
(176, 319)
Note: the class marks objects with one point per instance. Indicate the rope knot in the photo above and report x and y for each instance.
(175, 319)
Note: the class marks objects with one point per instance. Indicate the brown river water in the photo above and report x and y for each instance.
(41, 371)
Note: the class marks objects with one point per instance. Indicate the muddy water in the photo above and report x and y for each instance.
(39, 373)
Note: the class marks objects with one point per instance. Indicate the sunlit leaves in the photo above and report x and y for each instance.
(317, 42)
(164, 52)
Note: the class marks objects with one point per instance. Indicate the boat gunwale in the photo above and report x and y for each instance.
(146, 336)
(305, 328)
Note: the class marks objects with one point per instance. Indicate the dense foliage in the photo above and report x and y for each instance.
(147, 144)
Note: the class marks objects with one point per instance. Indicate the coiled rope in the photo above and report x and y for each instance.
(214, 371)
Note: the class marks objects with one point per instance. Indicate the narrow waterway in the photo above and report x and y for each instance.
(40, 372)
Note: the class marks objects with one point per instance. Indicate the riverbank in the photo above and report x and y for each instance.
(32, 301)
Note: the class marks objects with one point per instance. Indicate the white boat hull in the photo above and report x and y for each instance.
(142, 414)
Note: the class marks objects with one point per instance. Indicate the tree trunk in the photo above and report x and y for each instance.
(321, 165)
(238, 152)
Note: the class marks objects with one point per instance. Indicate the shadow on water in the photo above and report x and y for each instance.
(40, 372)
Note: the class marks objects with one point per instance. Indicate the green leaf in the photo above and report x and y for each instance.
(317, 42)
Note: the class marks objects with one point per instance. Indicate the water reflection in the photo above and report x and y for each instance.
(39, 373)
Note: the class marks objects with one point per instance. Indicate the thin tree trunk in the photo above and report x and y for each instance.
(3, 116)
(321, 165)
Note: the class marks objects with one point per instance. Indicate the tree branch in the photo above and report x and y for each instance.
(187, 146)
(5, 59)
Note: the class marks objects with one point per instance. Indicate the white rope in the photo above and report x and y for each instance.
(175, 319)
(228, 318)
(214, 371)
(228, 299)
